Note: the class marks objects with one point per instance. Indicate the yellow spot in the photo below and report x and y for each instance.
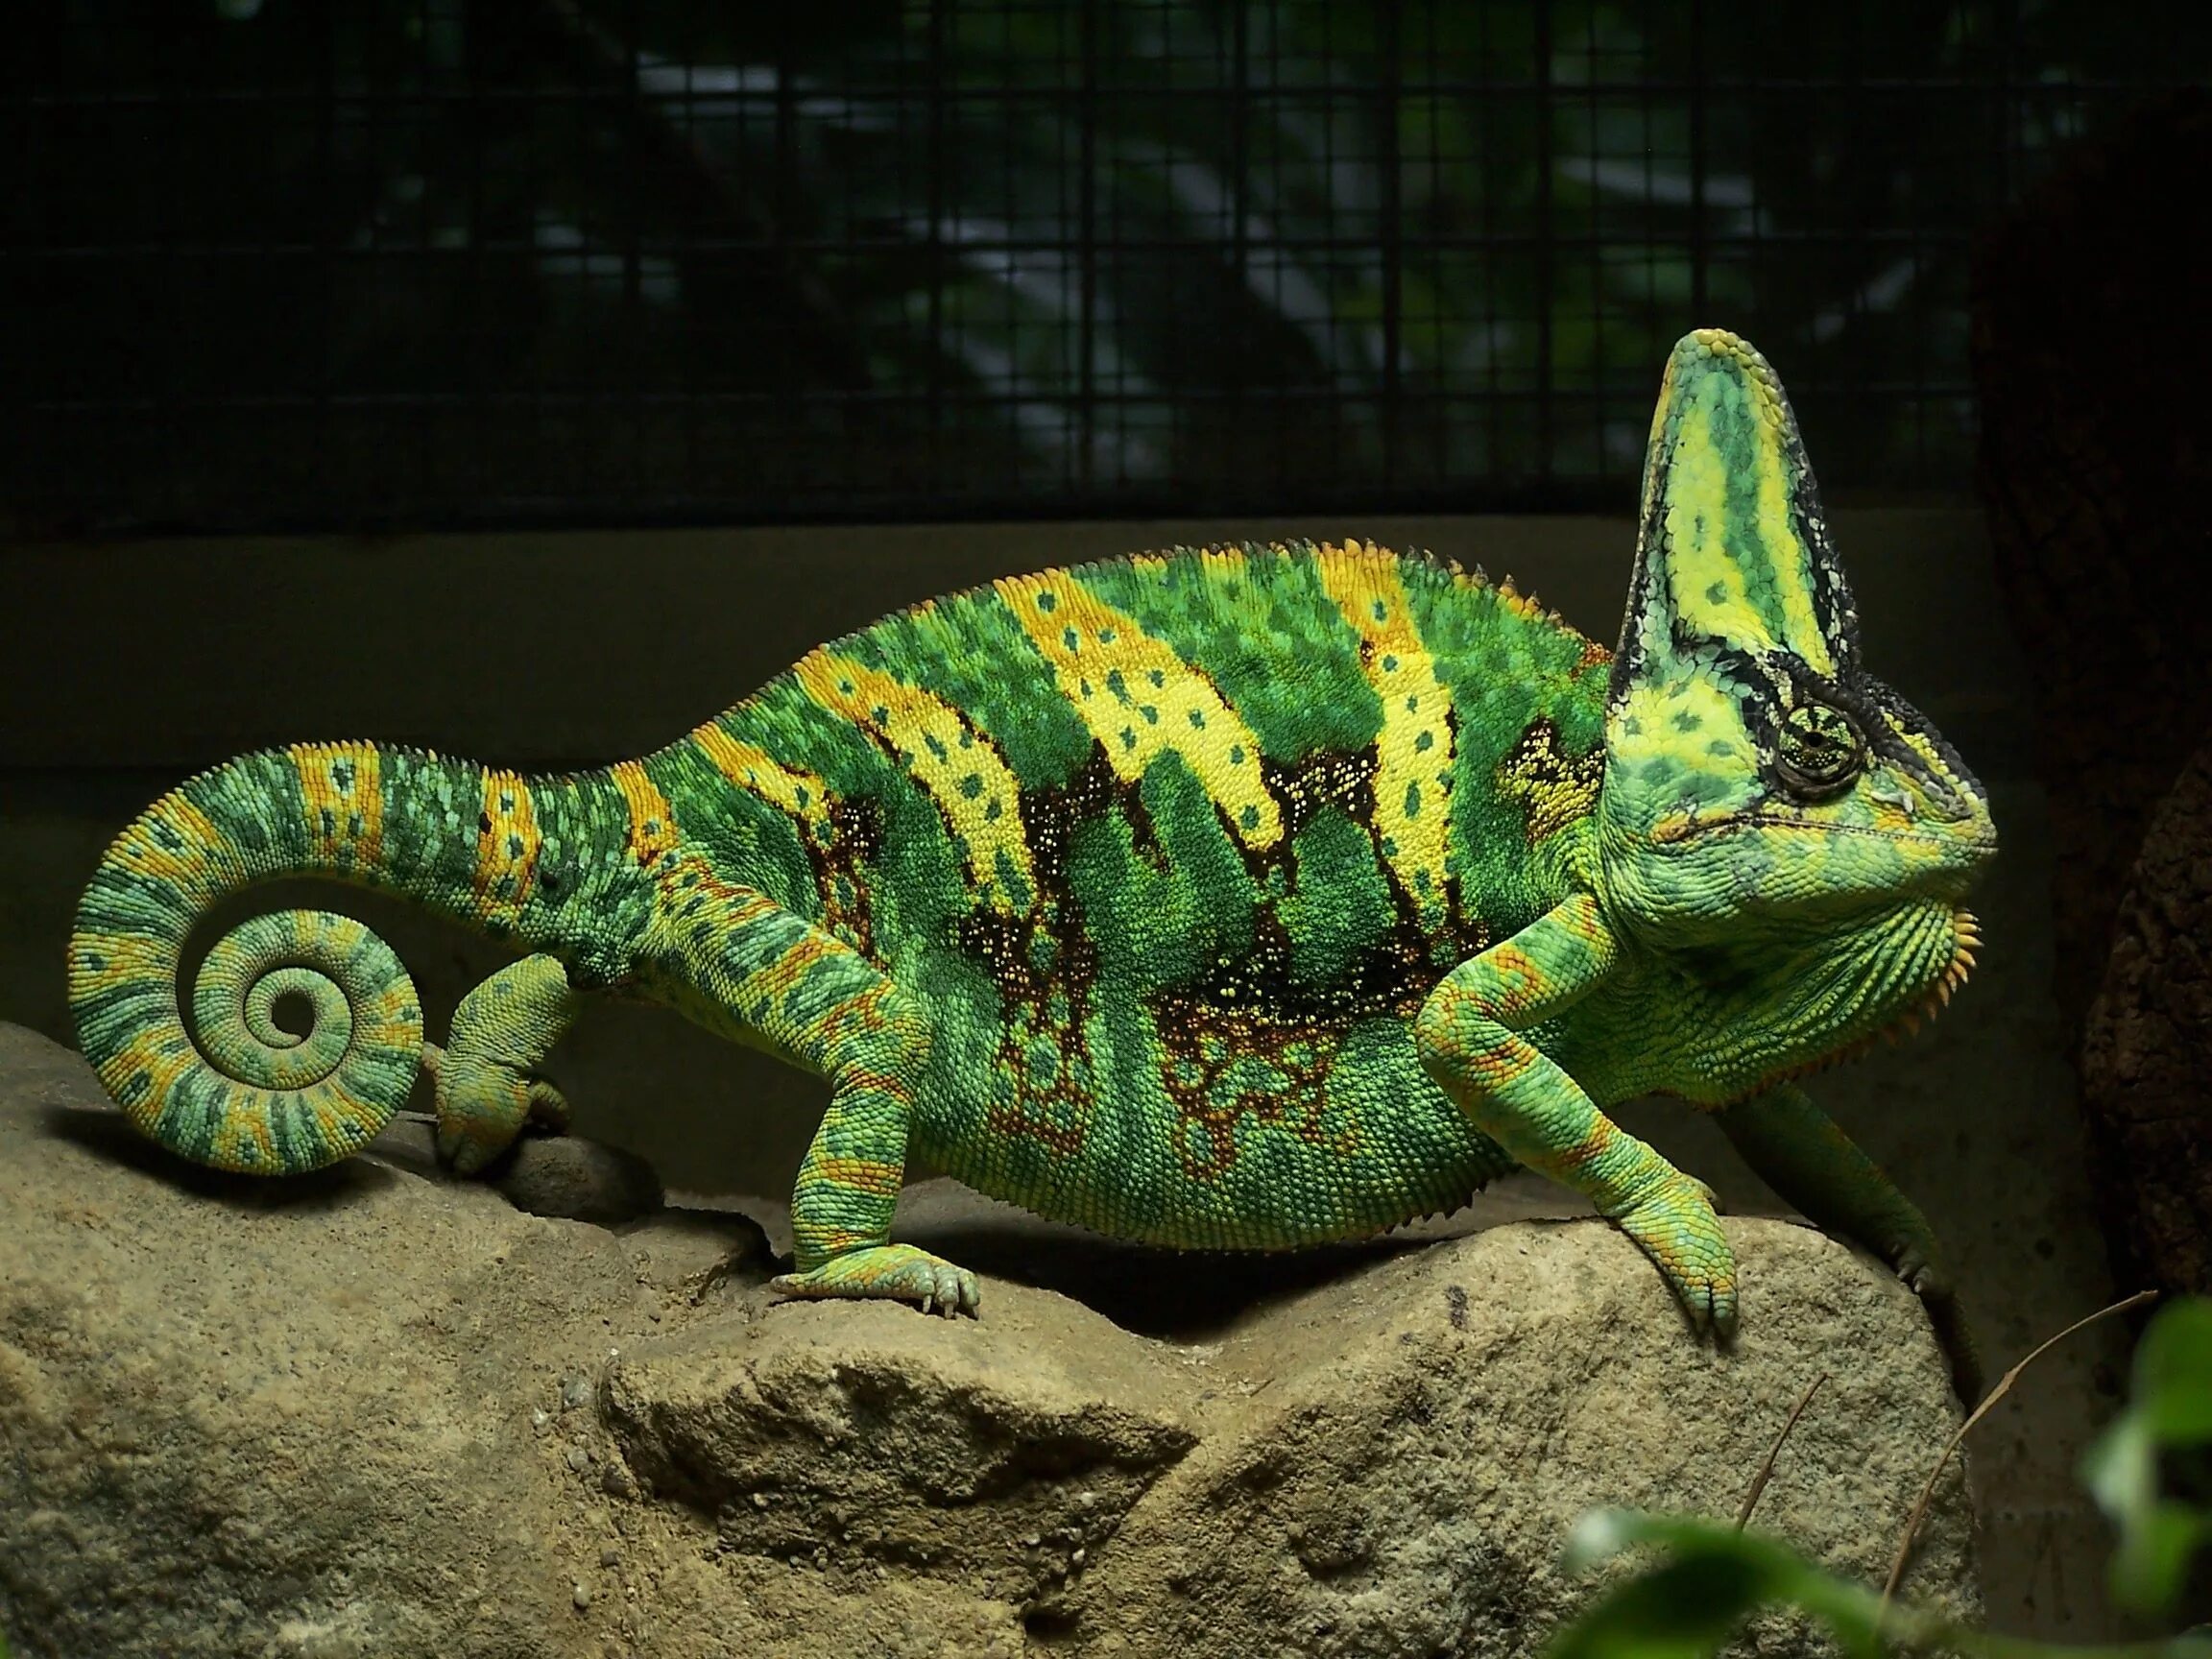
(792, 791)
(652, 825)
(1414, 748)
(507, 847)
(1140, 699)
(1553, 789)
(864, 1175)
(342, 787)
(958, 766)
(242, 1140)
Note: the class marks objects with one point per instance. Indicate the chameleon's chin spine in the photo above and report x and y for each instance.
(249, 1096)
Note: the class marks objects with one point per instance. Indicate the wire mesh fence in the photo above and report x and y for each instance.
(388, 263)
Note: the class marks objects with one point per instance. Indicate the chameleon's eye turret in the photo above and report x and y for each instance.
(1819, 752)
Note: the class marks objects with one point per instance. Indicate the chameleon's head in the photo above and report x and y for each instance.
(1754, 772)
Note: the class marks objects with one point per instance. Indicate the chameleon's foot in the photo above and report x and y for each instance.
(1673, 1221)
(483, 1105)
(894, 1272)
(486, 1085)
(1927, 1280)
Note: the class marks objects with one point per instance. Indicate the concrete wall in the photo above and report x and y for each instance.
(122, 668)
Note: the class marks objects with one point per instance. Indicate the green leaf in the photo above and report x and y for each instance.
(2170, 1409)
(2174, 1373)
(1714, 1578)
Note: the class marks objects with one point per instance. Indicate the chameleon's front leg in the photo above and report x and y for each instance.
(1797, 1149)
(1468, 1036)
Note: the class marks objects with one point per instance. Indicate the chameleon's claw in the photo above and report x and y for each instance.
(549, 1108)
(890, 1272)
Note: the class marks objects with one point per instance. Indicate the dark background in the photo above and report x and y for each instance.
(278, 264)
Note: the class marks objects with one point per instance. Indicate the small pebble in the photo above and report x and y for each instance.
(610, 1557)
(579, 1460)
(581, 1595)
(540, 1420)
(575, 1391)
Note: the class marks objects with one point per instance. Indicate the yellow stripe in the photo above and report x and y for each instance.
(799, 794)
(652, 825)
(1140, 699)
(201, 865)
(507, 851)
(342, 787)
(943, 753)
(1413, 749)
(145, 1051)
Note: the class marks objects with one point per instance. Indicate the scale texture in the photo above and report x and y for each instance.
(1242, 898)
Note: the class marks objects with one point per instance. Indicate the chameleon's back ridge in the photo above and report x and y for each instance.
(1245, 897)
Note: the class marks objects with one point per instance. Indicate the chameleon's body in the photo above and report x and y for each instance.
(1249, 898)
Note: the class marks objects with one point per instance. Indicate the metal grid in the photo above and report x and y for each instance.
(398, 263)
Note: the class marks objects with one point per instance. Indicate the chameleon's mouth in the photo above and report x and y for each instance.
(1681, 826)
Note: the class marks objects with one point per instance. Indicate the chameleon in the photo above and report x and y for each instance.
(1241, 898)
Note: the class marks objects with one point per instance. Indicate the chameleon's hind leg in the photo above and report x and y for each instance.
(1804, 1155)
(484, 1075)
(817, 1000)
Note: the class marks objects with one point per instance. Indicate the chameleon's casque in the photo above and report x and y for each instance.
(1245, 898)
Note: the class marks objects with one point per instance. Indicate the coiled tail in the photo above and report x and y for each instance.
(250, 1096)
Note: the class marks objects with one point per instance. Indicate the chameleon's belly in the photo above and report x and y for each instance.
(1199, 1132)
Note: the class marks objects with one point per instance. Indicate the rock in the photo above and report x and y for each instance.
(363, 1412)
(561, 1175)
(2148, 1044)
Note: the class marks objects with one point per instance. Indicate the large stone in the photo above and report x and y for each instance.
(364, 1412)
(2148, 1044)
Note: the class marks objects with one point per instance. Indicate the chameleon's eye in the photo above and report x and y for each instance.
(1820, 751)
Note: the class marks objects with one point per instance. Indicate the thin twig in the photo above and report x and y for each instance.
(1767, 1469)
(2003, 1384)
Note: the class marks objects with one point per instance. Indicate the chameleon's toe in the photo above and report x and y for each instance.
(549, 1108)
(1673, 1222)
(893, 1272)
(1928, 1280)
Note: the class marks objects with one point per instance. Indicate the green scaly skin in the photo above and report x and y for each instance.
(1243, 899)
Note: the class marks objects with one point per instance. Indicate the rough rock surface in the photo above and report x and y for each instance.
(2148, 1043)
(367, 1413)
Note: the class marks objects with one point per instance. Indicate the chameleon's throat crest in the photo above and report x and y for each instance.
(1965, 939)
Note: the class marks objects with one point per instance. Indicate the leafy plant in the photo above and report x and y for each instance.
(1711, 1576)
